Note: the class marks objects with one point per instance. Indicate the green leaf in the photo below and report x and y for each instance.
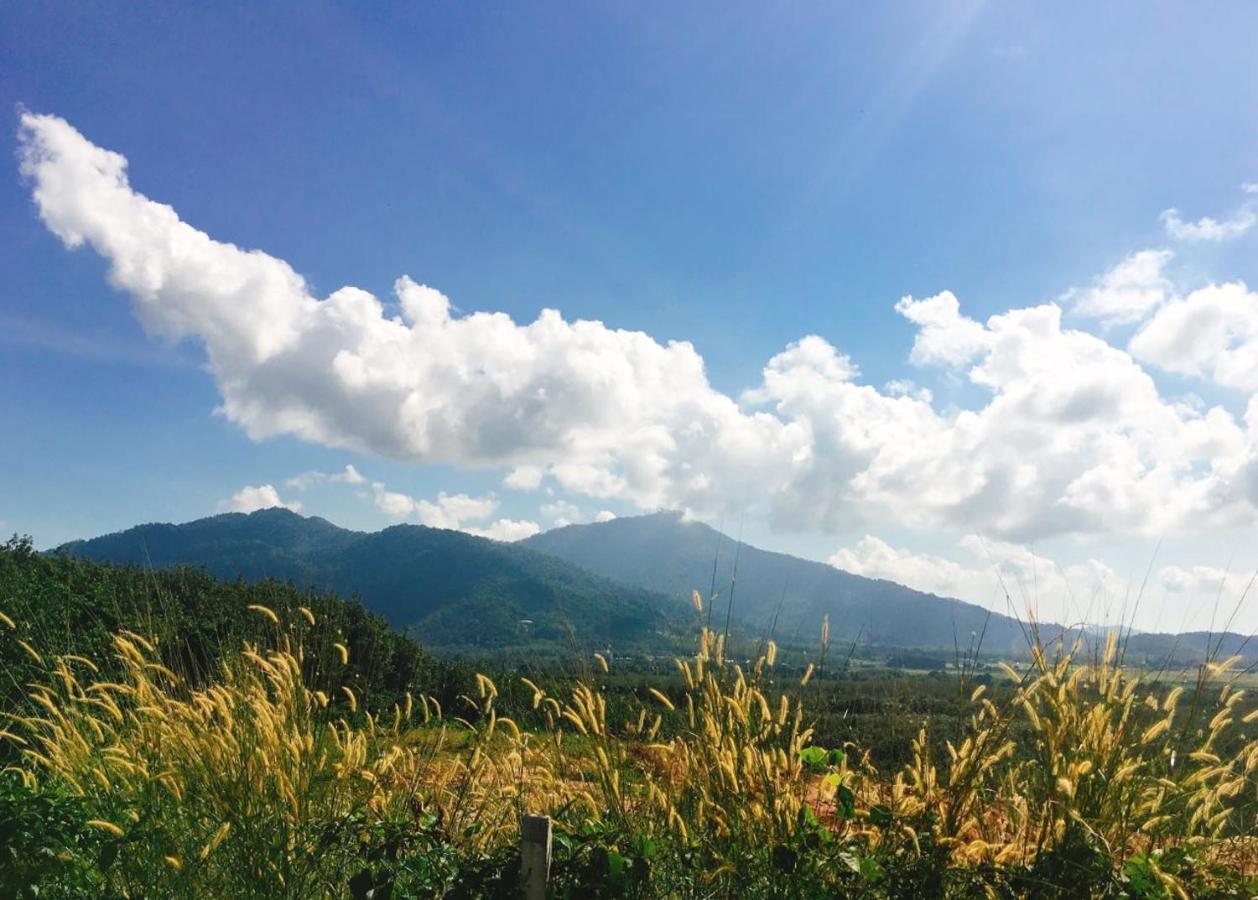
(807, 819)
(872, 870)
(617, 867)
(645, 847)
(1141, 878)
(813, 757)
(880, 816)
(846, 802)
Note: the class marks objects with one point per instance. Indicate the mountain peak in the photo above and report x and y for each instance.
(675, 555)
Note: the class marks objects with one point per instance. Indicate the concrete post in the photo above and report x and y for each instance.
(534, 856)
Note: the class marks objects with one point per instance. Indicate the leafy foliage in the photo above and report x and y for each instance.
(65, 605)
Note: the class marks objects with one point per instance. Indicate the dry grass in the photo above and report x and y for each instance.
(244, 780)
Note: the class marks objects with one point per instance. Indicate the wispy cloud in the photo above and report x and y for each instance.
(1128, 292)
(1206, 228)
(306, 480)
(90, 346)
(1210, 229)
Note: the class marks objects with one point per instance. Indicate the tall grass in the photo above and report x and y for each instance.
(1082, 779)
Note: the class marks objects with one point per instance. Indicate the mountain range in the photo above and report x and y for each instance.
(671, 555)
(625, 583)
(447, 588)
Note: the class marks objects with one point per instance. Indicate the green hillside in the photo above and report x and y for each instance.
(66, 605)
(448, 589)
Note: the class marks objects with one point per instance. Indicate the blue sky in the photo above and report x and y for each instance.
(731, 175)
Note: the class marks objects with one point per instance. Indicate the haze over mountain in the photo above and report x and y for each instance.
(448, 588)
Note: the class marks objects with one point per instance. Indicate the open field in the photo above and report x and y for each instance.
(286, 771)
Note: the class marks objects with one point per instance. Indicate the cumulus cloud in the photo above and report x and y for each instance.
(1074, 439)
(1071, 435)
(306, 480)
(990, 572)
(1129, 291)
(250, 499)
(447, 511)
(1211, 333)
(604, 515)
(944, 335)
(524, 478)
(458, 512)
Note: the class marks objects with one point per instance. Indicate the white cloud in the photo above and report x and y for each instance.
(1206, 228)
(447, 511)
(1211, 333)
(604, 515)
(304, 481)
(1194, 579)
(457, 512)
(1127, 292)
(1088, 592)
(450, 510)
(609, 412)
(907, 387)
(507, 530)
(250, 499)
(944, 335)
(1074, 439)
(1071, 435)
(524, 478)
(990, 572)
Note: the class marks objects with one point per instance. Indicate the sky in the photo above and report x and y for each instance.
(955, 294)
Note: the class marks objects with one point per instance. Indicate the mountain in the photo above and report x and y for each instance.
(1190, 647)
(626, 582)
(666, 553)
(447, 588)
